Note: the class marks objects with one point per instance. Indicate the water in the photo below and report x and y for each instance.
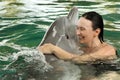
(24, 22)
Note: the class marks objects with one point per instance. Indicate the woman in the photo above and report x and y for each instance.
(90, 33)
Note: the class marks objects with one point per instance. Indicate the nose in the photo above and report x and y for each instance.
(78, 32)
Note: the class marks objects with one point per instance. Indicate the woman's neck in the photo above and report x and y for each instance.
(92, 46)
(94, 43)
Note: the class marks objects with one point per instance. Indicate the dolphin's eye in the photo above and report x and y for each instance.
(67, 36)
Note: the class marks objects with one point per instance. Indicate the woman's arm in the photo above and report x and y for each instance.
(107, 52)
(62, 54)
(57, 51)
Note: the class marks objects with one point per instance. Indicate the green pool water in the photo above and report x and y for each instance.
(23, 24)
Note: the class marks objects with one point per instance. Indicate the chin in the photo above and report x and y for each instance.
(81, 42)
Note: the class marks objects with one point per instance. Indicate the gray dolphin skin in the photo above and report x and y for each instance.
(62, 33)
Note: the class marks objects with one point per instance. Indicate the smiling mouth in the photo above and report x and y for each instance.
(81, 37)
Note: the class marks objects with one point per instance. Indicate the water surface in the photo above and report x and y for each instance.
(24, 22)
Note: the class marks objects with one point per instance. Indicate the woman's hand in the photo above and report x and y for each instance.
(47, 48)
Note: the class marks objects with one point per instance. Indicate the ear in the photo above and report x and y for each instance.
(97, 31)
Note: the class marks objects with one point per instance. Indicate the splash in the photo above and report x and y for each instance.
(26, 62)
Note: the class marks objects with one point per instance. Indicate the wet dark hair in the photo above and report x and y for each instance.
(97, 22)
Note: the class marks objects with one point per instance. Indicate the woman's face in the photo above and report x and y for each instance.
(85, 31)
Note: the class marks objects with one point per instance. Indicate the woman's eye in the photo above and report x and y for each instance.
(82, 29)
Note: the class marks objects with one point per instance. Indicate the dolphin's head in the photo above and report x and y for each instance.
(68, 41)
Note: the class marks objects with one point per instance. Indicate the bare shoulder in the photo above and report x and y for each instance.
(109, 47)
(109, 50)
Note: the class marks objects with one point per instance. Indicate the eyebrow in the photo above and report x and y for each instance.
(79, 26)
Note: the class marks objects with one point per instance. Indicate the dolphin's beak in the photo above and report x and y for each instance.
(73, 15)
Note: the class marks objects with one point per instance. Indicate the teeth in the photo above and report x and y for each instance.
(81, 37)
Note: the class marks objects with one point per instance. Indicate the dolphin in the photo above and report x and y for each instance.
(62, 33)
